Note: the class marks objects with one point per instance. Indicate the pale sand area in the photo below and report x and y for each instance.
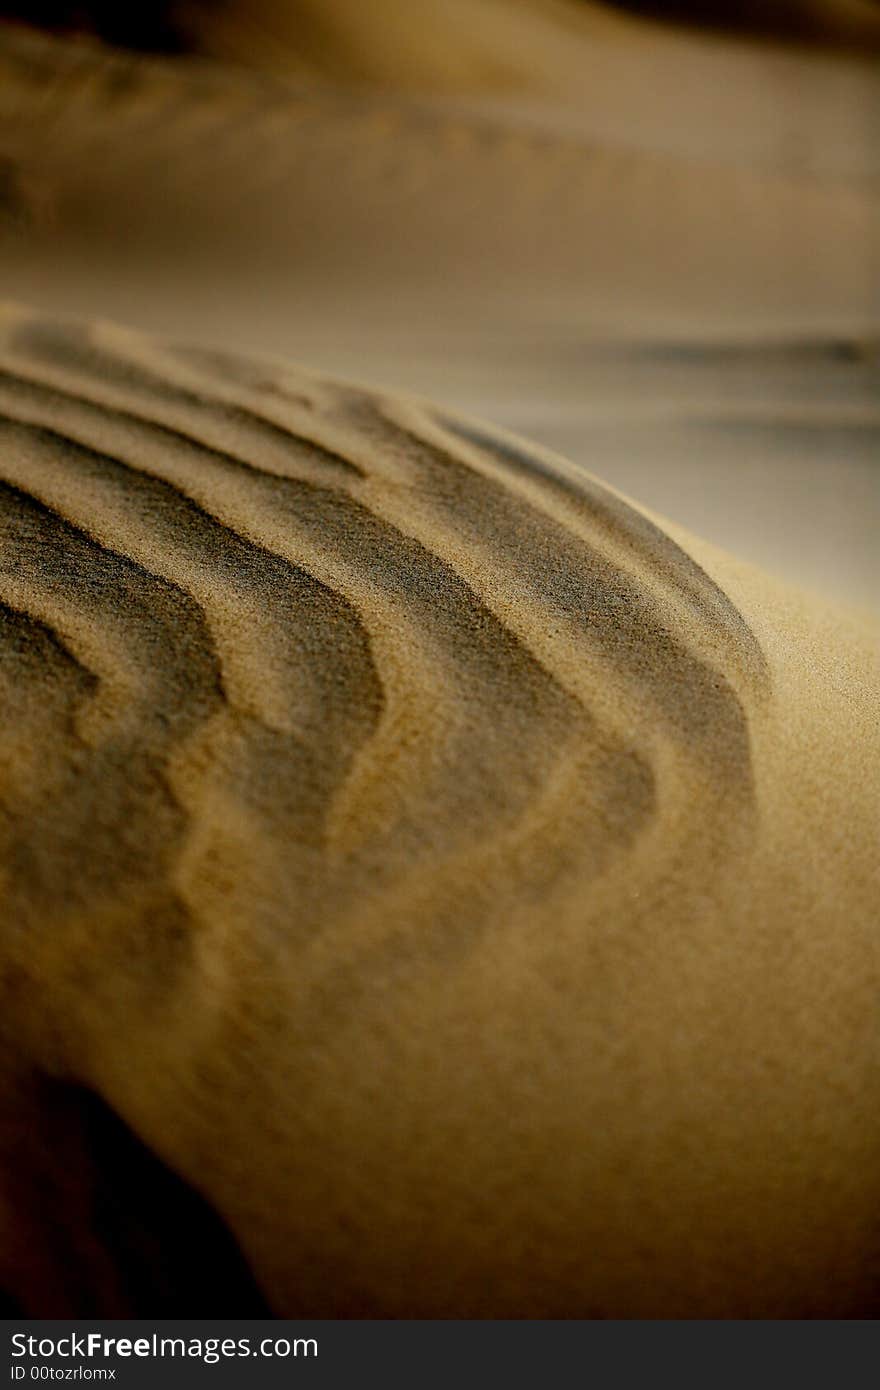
(463, 879)
(536, 253)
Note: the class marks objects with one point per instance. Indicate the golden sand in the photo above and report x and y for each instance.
(465, 886)
(434, 884)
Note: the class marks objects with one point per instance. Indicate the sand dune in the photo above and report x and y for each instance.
(166, 168)
(434, 884)
(615, 75)
(563, 272)
(847, 23)
(465, 887)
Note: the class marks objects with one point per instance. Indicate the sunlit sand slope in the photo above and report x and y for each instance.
(465, 887)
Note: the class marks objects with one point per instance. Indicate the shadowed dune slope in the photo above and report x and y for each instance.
(307, 30)
(458, 882)
(849, 23)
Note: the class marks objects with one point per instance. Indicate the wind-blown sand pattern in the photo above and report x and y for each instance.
(653, 252)
(433, 884)
(430, 886)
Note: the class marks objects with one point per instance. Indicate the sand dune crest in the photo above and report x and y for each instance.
(461, 884)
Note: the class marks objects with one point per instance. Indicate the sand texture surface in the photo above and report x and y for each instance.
(467, 888)
(432, 883)
(658, 255)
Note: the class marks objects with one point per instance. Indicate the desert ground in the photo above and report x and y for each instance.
(439, 661)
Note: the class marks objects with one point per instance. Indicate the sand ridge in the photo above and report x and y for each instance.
(426, 855)
(602, 262)
(432, 883)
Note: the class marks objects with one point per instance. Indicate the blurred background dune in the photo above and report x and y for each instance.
(645, 235)
(326, 31)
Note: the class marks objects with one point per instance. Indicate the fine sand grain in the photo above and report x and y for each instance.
(431, 883)
(423, 870)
